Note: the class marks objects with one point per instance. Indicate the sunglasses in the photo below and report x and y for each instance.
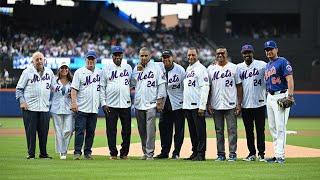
(64, 67)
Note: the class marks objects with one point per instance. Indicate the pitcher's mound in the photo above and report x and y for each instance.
(291, 151)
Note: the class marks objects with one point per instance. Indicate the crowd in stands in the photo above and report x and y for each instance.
(25, 43)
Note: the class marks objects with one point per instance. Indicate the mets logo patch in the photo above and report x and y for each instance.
(289, 68)
(206, 79)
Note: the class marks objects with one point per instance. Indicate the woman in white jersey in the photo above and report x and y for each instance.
(60, 109)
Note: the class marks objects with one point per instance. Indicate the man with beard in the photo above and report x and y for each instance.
(251, 73)
(116, 102)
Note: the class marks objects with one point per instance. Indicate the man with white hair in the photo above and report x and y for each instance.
(33, 93)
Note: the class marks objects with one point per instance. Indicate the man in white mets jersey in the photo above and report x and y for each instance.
(251, 73)
(116, 102)
(226, 97)
(195, 96)
(172, 114)
(85, 100)
(150, 92)
(33, 93)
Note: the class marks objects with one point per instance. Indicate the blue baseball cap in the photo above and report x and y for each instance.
(91, 53)
(116, 49)
(247, 47)
(270, 44)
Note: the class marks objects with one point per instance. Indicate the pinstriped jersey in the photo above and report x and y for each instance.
(61, 100)
(36, 88)
(146, 86)
(175, 85)
(196, 78)
(254, 86)
(87, 83)
(115, 85)
(223, 80)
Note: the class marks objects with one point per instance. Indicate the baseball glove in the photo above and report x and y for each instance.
(285, 102)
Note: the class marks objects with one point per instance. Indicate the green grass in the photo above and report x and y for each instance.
(13, 164)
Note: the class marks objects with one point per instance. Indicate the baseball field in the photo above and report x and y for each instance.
(14, 165)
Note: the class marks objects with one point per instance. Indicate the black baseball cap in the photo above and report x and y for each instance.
(167, 52)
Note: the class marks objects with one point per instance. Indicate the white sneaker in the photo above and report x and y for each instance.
(63, 156)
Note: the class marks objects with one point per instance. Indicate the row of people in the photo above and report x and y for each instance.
(224, 89)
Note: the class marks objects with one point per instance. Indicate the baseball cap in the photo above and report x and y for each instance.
(167, 52)
(63, 64)
(116, 49)
(247, 47)
(270, 44)
(91, 53)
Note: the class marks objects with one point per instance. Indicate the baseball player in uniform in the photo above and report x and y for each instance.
(150, 91)
(116, 102)
(251, 73)
(226, 97)
(85, 100)
(172, 113)
(280, 84)
(195, 96)
(61, 109)
(33, 93)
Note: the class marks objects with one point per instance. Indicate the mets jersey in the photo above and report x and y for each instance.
(87, 83)
(196, 87)
(115, 86)
(174, 87)
(223, 80)
(61, 99)
(147, 86)
(254, 86)
(34, 89)
(275, 74)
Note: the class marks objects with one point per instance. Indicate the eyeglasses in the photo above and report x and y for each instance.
(268, 49)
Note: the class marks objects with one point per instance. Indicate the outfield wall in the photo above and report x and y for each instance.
(307, 104)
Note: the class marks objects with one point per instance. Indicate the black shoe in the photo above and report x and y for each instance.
(175, 156)
(46, 156)
(271, 160)
(31, 157)
(199, 158)
(191, 157)
(162, 156)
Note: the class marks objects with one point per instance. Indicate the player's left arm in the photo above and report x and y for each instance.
(290, 81)
(239, 91)
(161, 92)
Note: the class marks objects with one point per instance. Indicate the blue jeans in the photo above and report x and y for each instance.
(84, 122)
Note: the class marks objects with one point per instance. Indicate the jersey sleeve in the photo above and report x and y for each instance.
(237, 76)
(286, 68)
(21, 85)
(161, 77)
(203, 78)
(76, 81)
(103, 86)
